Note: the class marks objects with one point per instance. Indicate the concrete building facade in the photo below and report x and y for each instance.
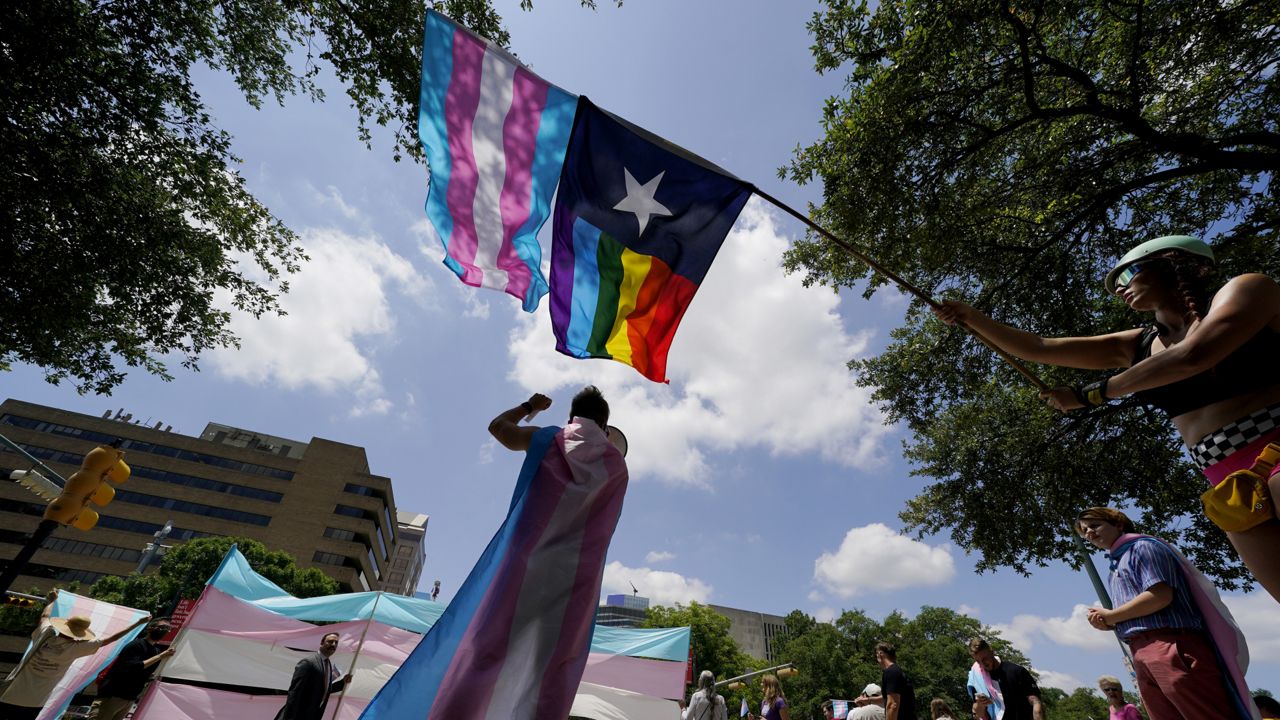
(410, 554)
(756, 633)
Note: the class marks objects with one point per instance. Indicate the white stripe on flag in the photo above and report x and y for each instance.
(497, 80)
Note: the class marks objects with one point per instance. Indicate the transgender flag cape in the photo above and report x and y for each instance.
(495, 136)
(1225, 636)
(514, 641)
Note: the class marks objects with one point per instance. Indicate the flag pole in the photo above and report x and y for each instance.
(900, 282)
(359, 646)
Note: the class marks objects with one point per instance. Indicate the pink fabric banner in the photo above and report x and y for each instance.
(169, 701)
(657, 678)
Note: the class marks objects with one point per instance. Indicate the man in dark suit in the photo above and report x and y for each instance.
(314, 679)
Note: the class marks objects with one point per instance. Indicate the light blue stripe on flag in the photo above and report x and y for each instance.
(586, 287)
(548, 158)
(411, 691)
(437, 71)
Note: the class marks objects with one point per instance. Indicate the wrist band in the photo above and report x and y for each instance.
(527, 407)
(1093, 394)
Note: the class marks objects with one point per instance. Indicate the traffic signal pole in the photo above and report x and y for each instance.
(19, 561)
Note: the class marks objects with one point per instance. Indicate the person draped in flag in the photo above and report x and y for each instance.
(1207, 360)
(1188, 653)
(514, 641)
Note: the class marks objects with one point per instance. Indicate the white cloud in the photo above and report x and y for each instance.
(657, 556)
(969, 610)
(759, 360)
(874, 557)
(332, 198)
(1073, 631)
(1258, 616)
(826, 614)
(662, 587)
(338, 305)
(1063, 681)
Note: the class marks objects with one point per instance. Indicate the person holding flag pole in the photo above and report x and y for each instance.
(359, 646)
(1207, 359)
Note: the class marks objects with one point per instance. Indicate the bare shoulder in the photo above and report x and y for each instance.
(1252, 290)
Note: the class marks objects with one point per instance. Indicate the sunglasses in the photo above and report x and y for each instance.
(1126, 275)
(1111, 690)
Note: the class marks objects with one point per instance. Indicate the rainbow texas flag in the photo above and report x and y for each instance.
(638, 222)
(495, 136)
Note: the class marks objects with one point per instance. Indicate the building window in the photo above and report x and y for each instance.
(146, 528)
(355, 512)
(145, 447)
(138, 498)
(79, 547)
(373, 563)
(329, 558)
(364, 582)
(360, 490)
(61, 574)
(340, 534)
(161, 475)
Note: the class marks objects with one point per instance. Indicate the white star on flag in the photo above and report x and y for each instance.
(639, 199)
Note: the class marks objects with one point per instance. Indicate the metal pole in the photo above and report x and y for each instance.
(153, 548)
(359, 646)
(34, 461)
(754, 674)
(42, 533)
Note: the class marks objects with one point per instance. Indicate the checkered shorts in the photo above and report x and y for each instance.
(1217, 445)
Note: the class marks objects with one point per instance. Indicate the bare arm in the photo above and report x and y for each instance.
(1099, 352)
(506, 428)
(1240, 310)
(1037, 708)
(892, 702)
(1153, 599)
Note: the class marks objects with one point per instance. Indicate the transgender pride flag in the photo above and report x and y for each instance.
(515, 641)
(495, 136)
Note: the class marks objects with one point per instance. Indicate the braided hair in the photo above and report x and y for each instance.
(1192, 276)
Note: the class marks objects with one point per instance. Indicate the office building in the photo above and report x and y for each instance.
(756, 633)
(316, 500)
(409, 554)
(622, 611)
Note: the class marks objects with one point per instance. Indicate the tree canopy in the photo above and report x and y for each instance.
(184, 570)
(128, 233)
(1005, 153)
(713, 648)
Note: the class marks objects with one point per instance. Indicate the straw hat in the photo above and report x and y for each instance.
(75, 627)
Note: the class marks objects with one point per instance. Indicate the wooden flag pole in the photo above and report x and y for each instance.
(900, 282)
(359, 646)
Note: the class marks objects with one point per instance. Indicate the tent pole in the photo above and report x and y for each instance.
(359, 646)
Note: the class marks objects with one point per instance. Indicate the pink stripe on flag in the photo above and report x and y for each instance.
(519, 141)
(656, 678)
(483, 649)
(460, 104)
(568, 660)
(172, 701)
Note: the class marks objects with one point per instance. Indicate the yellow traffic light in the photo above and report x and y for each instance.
(91, 483)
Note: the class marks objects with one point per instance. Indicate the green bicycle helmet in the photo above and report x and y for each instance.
(1185, 243)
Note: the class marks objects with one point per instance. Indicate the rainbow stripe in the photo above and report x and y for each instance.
(626, 306)
(620, 285)
(495, 136)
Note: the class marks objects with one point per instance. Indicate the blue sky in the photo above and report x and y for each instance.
(762, 477)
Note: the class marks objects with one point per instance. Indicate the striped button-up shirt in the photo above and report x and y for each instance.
(1138, 567)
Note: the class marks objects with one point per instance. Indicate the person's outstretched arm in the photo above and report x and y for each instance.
(506, 428)
(1097, 352)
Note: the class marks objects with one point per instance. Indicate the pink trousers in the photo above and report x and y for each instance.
(1179, 677)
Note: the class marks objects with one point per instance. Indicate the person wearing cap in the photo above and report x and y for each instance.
(870, 704)
(1208, 359)
(1188, 654)
(999, 688)
(1114, 693)
(55, 644)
